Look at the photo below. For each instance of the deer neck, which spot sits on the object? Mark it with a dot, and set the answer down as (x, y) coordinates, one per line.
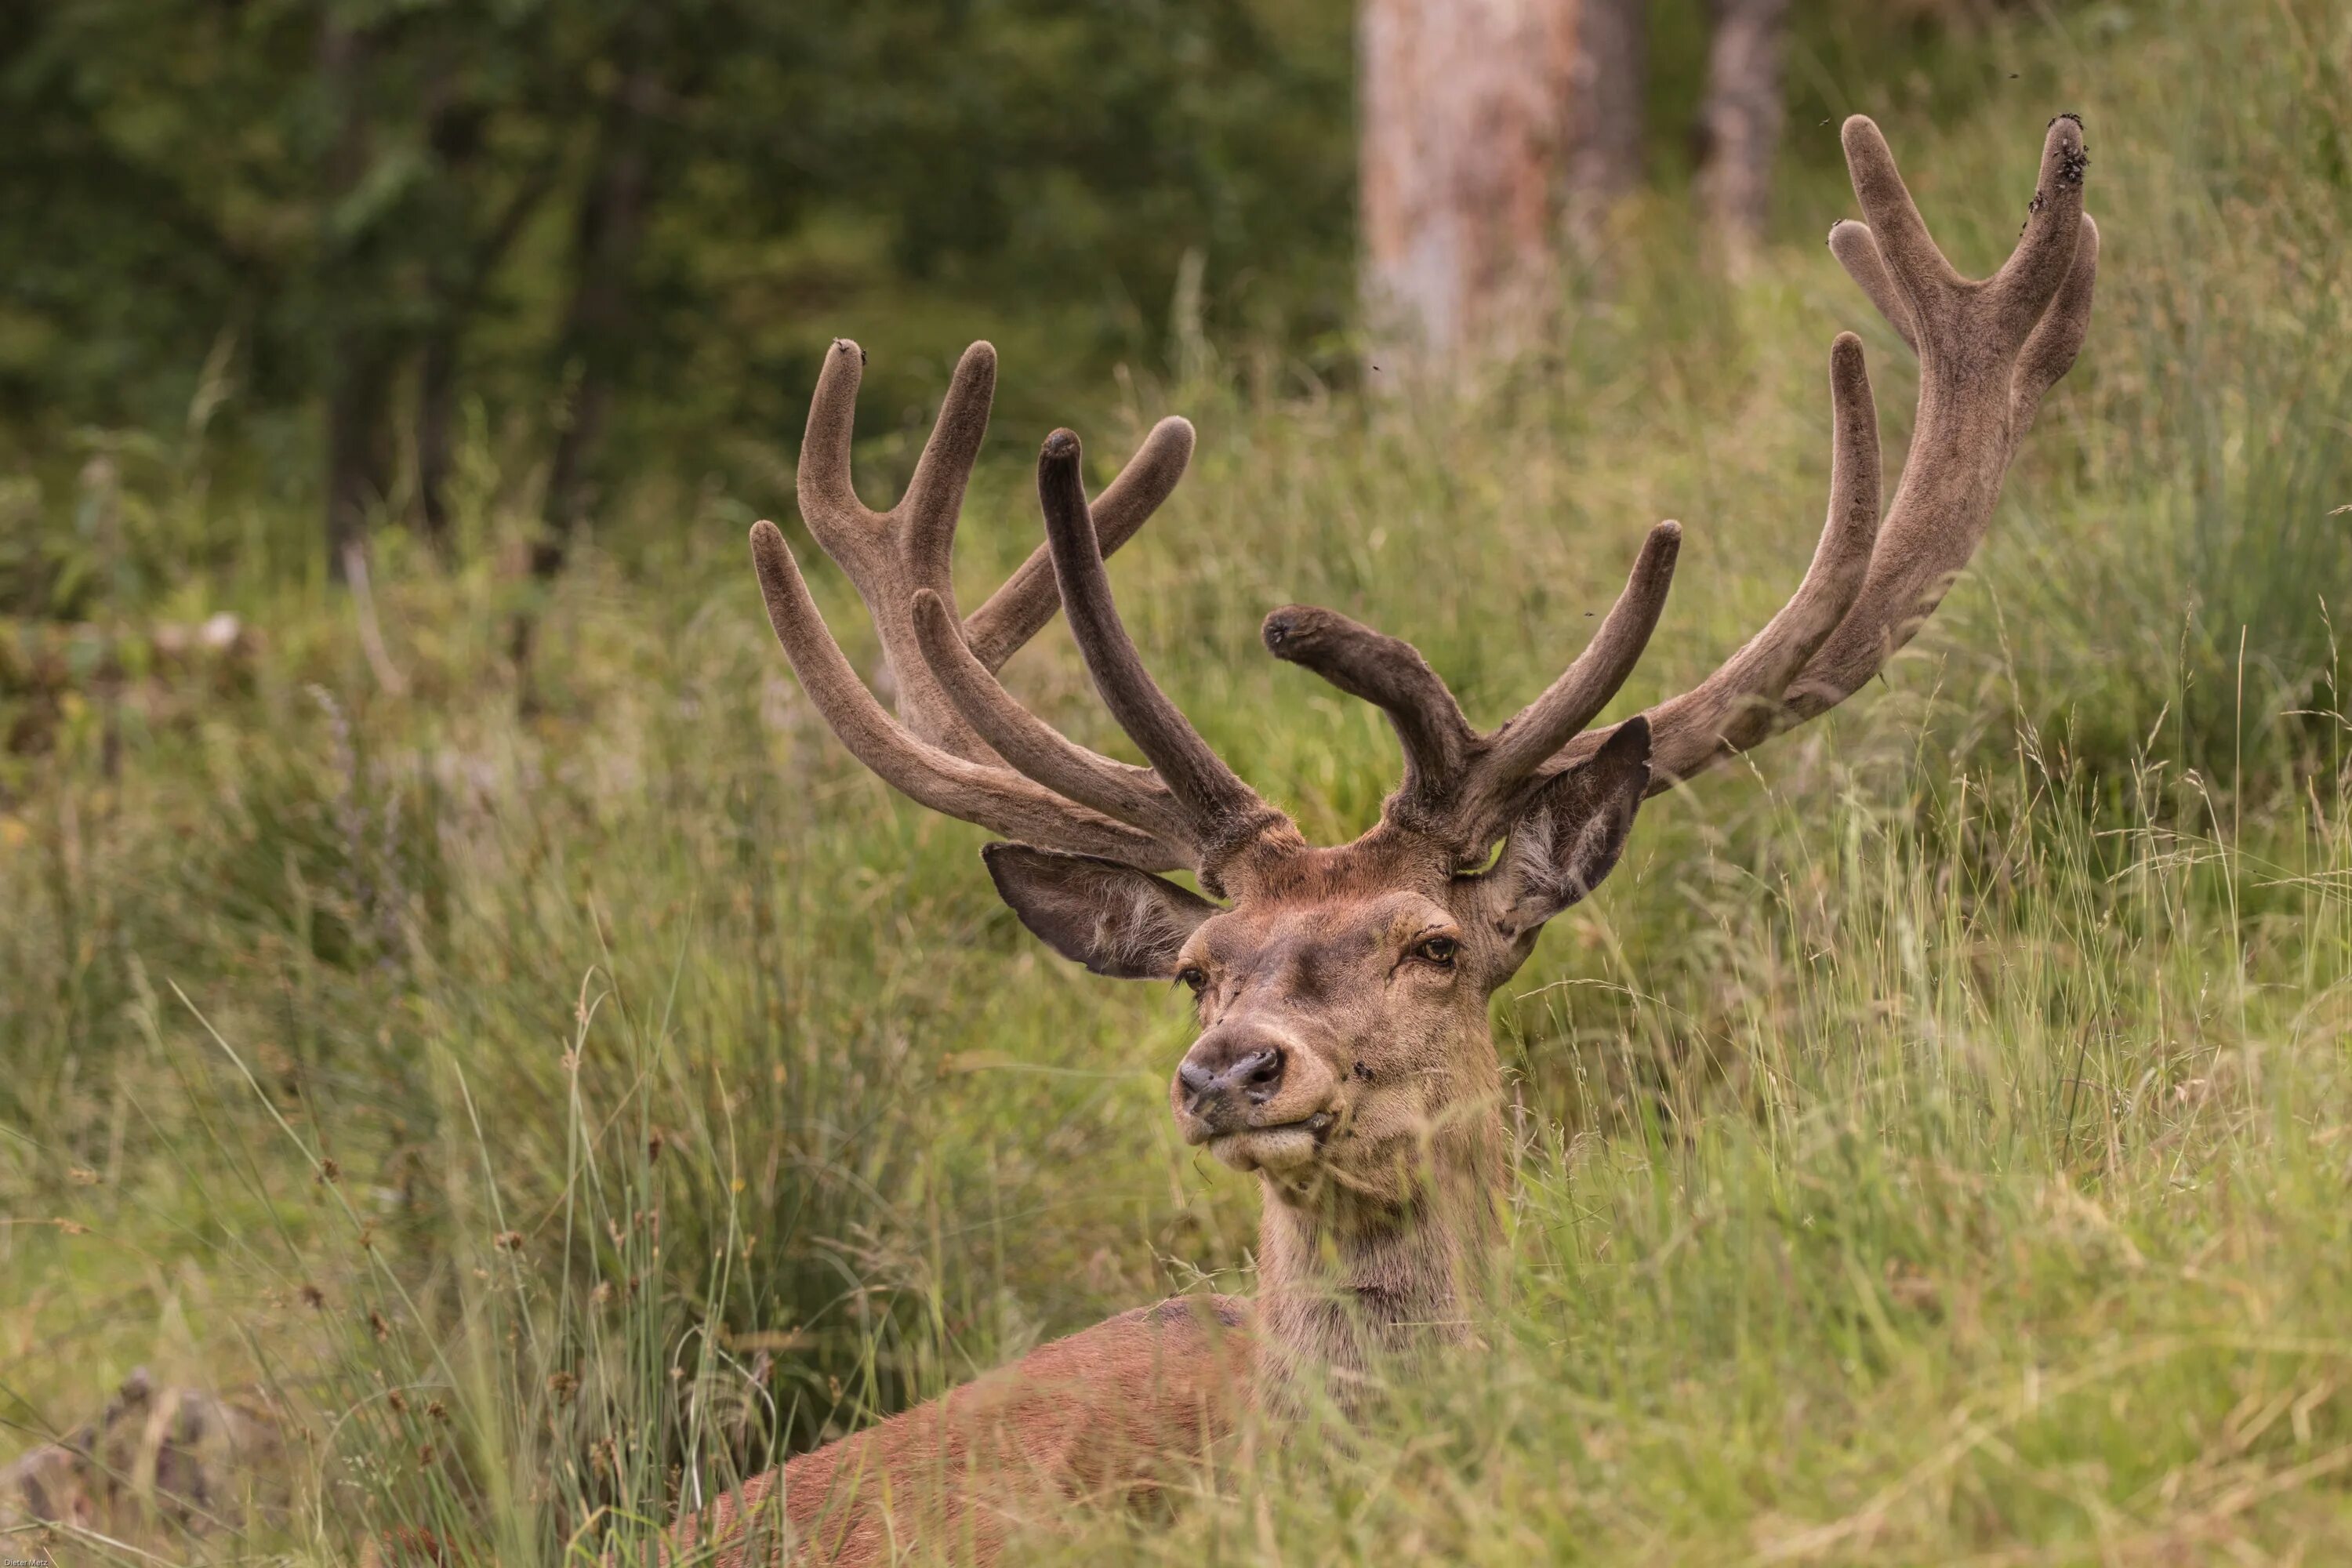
(1346, 1279)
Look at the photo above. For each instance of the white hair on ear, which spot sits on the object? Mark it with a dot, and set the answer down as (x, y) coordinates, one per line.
(1572, 887)
(1560, 849)
(1132, 936)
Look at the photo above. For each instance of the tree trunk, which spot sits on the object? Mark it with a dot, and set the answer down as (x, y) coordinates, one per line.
(461, 276)
(1465, 132)
(361, 364)
(360, 460)
(1612, 62)
(436, 421)
(1739, 125)
(457, 129)
(605, 249)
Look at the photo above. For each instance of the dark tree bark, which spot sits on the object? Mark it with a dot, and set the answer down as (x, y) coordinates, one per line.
(1463, 136)
(604, 251)
(1739, 125)
(454, 129)
(466, 268)
(360, 461)
(361, 361)
(1612, 61)
(436, 421)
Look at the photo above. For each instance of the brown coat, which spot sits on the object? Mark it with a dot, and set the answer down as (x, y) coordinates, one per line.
(1109, 1414)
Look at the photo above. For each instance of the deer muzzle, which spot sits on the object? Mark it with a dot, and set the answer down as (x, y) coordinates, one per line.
(1254, 1097)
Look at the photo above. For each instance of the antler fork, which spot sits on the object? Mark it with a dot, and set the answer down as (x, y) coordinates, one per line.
(1188, 810)
(928, 752)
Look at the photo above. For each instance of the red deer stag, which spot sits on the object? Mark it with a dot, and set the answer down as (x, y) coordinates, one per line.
(1344, 1054)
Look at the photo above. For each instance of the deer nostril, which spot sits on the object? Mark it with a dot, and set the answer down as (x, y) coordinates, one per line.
(1260, 1074)
(1229, 1077)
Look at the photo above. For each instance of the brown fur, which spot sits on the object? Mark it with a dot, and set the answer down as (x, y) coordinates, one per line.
(1109, 1415)
(1376, 1228)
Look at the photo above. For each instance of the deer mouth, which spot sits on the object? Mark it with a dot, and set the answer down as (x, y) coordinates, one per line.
(1285, 1147)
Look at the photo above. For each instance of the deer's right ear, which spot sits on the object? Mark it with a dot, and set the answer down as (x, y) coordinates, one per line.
(1571, 836)
(1115, 920)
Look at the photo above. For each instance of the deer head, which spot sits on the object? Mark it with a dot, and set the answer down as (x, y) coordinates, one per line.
(1344, 1053)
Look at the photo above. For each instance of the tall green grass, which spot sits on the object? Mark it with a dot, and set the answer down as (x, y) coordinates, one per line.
(566, 1089)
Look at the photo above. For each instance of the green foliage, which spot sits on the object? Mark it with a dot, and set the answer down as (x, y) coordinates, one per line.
(633, 227)
(686, 200)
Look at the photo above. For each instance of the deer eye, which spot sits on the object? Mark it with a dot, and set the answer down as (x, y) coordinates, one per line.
(1192, 976)
(1437, 950)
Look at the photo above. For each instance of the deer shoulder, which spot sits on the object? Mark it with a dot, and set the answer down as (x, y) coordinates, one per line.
(1111, 1414)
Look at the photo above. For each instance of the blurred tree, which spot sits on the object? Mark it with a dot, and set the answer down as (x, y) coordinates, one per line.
(633, 222)
(1739, 124)
(1484, 127)
(1465, 128)
(283, 171)
(1607, 102)
(493, 165)
(362, 343)
(623, 230)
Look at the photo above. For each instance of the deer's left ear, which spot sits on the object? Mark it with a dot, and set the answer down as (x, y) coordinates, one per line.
(1571, 835)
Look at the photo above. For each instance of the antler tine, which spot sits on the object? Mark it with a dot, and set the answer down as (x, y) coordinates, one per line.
(2057, 338)
(1988, 350)
(891, 555)
(1460, 787)
(934, 498)
(2044, 259)
(1857, 252)
(1520, 747)
(1922, 278)
(1739, 705)
(888, 555)
(1390, 674)
(829, 504)
(1226, 819)
(1030, 745)
(994, 797)
(1020, 609)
